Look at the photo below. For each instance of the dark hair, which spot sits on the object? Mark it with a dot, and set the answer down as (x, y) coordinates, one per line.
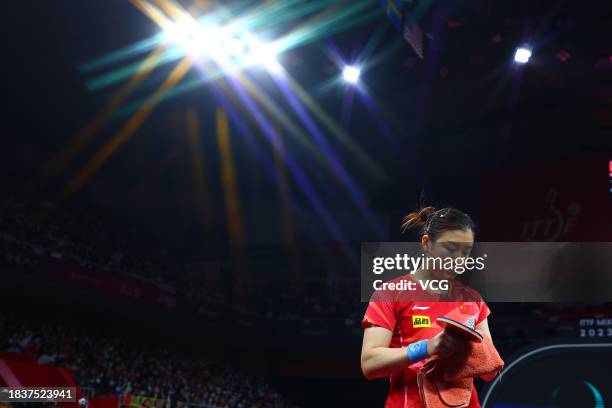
(434, 222)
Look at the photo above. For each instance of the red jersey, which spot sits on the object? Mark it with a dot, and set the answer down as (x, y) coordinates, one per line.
(411, 321)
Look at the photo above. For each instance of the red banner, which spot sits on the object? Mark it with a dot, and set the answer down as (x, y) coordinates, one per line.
(565, 201)
(104, 402)
(29, 374)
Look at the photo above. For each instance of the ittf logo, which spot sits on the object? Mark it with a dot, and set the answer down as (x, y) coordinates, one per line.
(421, 321)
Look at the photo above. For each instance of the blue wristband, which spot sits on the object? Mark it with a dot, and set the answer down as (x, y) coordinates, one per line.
(417, 351)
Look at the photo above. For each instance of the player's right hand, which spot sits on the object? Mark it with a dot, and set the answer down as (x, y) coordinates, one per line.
(445, 343)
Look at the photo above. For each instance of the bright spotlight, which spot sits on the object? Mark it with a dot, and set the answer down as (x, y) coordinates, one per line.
(351, 74)
(234, 46)
(229, 47)
(263, 54)
(522, 55)
(176, 34)
(194, 40)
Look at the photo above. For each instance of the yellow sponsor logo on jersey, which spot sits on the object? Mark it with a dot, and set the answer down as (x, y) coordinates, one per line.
(421, 321)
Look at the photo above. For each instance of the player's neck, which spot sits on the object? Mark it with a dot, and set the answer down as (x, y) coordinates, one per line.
(423, 274)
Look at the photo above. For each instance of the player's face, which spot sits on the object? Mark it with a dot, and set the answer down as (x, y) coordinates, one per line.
(451, 244)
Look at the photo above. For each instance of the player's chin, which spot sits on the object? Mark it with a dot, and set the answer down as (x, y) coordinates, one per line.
(447, 274)
(452, 274)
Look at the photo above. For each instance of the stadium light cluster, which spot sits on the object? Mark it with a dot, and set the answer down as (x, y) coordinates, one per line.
(233, 49)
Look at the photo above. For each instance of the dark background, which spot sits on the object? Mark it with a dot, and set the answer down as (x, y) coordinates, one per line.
(465, 125)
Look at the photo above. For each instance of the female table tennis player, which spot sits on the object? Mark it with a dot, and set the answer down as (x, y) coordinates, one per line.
(398, 334)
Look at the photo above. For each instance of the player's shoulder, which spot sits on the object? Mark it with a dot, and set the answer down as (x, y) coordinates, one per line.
(466, 293)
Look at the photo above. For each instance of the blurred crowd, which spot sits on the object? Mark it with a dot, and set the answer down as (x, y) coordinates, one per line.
(30, 235)
(90, 241)
(317, 302)
(117, 366)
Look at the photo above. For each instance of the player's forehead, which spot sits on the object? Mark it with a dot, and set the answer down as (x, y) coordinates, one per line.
(457, 236)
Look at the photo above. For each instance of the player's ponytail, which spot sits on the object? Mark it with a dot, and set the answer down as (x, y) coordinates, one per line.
(433, 222)
(418, 219)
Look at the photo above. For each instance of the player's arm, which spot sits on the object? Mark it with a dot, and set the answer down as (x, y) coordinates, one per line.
(377, 358)
(380, 360)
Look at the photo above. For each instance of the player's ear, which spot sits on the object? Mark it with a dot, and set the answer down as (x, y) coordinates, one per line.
(426, 243)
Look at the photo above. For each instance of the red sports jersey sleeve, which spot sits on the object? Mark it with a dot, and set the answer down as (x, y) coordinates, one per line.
(483, 309)
(379, 313)
(484, 312)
